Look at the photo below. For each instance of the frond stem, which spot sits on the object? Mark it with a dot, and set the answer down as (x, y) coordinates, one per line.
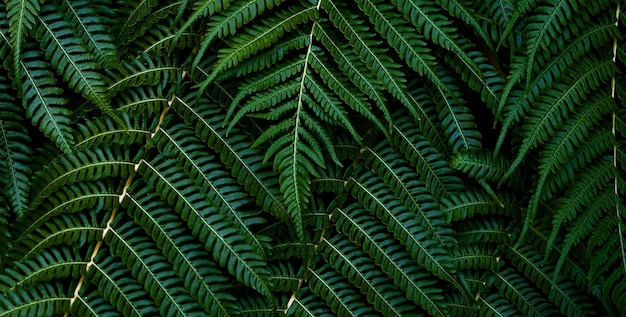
(108, 227)
(613, 119)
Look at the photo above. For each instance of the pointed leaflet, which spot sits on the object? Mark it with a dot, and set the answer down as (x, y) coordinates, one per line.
(92, 30)
(219, 234)
(44, 102)
(70, 60)
(15, 150)
(22, 17)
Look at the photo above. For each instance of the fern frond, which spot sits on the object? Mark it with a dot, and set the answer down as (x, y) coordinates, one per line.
(548, 21)
(387, 72)
(51, 264)
(133, 12)
(105, 130)
(582, 193)
(70, 59)
(200, 276)
(496, 305)
(285, 276)
(88, 23)
(527, 299)
(274, 82)
(419, 151)
(584, 224)
(355, 265)
(44, 101)
(411, 46)
(259, 37)
(337, 292)
(372, 235)
(67, 228)
(46, 299)
(356, 71)
(566, 145)
(266, 59)
(215, 184)
(542, 120)
(146, 69)
(14, 149)
(482, 230)
(466, 205)
(230, 20)
(391, 167)
(150, 267)
(475, 257)
(202, 9)
(254, 305)
(463, 10)
(22, 16)
(92, 304)
(596, 34)
(160, 39)
(236, 152)
(228, 246)
(306, 304)
(377, 199)
(570, 300)
(152, 99)
(87, 164)
(118, 287)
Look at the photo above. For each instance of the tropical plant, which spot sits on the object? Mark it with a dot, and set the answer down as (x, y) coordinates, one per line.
(312, 158)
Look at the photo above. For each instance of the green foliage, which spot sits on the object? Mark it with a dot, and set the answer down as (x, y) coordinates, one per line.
(312, 158)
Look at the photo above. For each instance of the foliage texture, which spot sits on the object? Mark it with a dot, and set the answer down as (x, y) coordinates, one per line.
(312, 158)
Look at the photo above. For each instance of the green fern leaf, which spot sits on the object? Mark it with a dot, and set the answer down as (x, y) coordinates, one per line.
(150, 267)
(376, 58)
(258, 38)
(22, 16)
(215, 184)
(236, 152)
(404, 227)
(71, 60)
(69, 228)
(549, 20)
(201, 277)
(563, 147)
(226, 244)
(462, 9)
(202, 9)
(229, 20)
(420, 152)
(549, 115)
(516, 289)
(355, 265)
(337, 293)
(570, 300)
(45, 299)
(53, 263)
(117, 286)
(104, 130)
(305, 303)
(362, 78)
(366, 231)
(88, 164)
(44, 101)
(133, 12)
(582, 193)
(86, 20)
(403, 181)
(597, 34)
(496, 305)
(14, 149)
